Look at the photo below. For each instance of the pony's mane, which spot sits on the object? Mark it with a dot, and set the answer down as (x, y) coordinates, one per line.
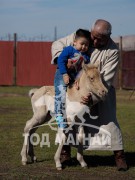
(90, 66)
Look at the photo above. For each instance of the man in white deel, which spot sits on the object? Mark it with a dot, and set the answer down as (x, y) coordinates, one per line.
(104, 51)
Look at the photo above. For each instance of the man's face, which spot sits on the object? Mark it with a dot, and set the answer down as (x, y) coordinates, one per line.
(99, 40)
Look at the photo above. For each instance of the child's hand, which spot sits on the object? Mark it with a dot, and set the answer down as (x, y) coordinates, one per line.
(66, 78)
(70, 64)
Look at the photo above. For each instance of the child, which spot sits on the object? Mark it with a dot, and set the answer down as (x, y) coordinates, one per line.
(75, 54)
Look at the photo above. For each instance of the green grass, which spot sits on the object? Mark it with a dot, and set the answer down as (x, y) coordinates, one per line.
(15, 110)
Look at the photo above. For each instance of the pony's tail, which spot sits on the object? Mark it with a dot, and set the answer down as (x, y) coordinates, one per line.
(32, 91)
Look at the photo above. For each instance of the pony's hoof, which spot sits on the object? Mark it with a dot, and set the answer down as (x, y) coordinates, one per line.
(59, 168)
(24, 163)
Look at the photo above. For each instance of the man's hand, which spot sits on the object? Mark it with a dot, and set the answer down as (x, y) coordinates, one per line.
(86, 99)
(66, 78)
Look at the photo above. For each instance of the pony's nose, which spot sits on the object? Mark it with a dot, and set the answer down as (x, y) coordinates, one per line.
(104, 91)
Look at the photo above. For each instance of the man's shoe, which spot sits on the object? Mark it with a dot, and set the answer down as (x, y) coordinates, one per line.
(120, 160)
(65, 154)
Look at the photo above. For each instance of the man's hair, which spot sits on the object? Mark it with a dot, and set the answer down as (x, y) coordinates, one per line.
(107, 26)
(82, 33)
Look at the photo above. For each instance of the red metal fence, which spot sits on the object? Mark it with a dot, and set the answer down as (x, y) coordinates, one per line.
(6, 63)
(128, 69)
(33, 65)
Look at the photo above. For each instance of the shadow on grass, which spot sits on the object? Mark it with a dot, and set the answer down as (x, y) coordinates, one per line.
(130, 157)
(95, 160)
(38, 161)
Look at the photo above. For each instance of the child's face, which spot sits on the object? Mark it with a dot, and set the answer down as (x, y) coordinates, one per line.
(81, 44)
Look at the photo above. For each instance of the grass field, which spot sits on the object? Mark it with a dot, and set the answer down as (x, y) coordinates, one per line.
(15, 110)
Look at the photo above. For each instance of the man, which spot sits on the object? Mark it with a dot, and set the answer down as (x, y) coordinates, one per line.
(106, 53)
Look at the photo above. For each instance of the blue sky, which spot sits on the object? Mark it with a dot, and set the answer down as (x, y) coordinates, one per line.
(39, 17)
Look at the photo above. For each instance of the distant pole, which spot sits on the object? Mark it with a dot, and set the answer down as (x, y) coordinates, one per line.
(55, 33)
(120, 65)
(15, 45)
(42, 37)
(9, 37)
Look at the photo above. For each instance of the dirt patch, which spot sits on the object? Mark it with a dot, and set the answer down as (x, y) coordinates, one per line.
(42, 171)
(12, 95)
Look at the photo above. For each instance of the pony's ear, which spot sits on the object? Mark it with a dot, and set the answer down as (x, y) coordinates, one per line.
(97, 64)
(77, 84)
(84, 66)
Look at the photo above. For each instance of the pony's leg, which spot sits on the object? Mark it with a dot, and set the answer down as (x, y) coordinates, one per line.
(30, 149)
(80, 148)
(24, 149)
(38, 118)
(70, 124)
(27, 145)
(59, 149)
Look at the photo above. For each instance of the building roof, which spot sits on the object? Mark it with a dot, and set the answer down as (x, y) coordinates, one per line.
(128, 42)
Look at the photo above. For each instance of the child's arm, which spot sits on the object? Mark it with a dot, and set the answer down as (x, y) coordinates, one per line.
(62, 63)
(63, 59)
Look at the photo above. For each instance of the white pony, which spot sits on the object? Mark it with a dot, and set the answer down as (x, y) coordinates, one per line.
(43, 109)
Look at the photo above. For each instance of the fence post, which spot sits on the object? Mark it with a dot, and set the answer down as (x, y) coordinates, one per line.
(120, 64)
(15, 45)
